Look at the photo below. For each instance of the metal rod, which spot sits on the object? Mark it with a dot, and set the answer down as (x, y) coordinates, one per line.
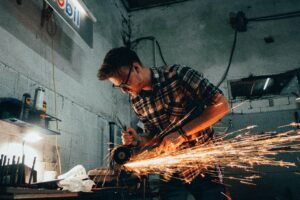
(17, 171)
(111, 140)
(7, 171)
(21, 170)
(3, 170)
(3, 158)
(144, 190)
(32, 170)
(12, 175)
(154, 52)
(1, 161)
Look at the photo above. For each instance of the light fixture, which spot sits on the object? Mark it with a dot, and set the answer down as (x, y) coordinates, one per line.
(32, 136)
(266, 83)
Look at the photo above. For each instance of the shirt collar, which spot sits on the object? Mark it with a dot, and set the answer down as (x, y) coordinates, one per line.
(155, 81)
(155, 78)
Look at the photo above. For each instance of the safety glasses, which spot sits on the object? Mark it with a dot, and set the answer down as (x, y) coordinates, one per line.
(124, 85)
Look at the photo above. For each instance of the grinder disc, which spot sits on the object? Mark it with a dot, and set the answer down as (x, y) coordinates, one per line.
(122, 154)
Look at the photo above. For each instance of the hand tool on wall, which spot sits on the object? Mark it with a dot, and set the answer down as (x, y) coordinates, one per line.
(16, 171)
(21, 172)
(32, 170)
(12, 174)
(7, 168)
(1, 168)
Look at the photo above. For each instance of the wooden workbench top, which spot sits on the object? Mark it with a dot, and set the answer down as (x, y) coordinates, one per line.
(28, 193)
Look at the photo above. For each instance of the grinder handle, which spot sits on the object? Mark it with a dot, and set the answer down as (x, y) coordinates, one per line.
(135, 142)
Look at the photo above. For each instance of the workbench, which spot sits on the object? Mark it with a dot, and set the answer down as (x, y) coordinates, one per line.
(8, 193)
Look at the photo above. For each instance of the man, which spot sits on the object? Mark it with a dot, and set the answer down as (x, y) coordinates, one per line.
(162, 98)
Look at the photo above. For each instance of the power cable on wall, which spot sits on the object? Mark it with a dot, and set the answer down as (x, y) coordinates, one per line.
(55, 104)
(135, 42)
(230, 59)
(239, 27)
(239, 24)
(276, 16)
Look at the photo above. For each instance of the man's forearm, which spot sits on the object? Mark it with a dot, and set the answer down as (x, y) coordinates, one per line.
(209, 116)
(145, 141)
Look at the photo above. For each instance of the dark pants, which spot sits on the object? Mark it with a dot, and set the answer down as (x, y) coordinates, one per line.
(202, 188)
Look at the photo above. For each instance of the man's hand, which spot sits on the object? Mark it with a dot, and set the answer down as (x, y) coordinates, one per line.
(171, 142)
(130, 136)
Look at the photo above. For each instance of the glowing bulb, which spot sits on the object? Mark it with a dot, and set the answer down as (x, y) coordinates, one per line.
(32, 137)
(266, 84)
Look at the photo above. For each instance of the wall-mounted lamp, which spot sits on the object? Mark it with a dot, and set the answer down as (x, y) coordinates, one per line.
(32, 136)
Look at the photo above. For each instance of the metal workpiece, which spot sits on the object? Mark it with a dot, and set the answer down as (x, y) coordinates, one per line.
(7, 170)
(12, 176)
(21, 171)
(17, 171)
(14, 172)
(1, 168)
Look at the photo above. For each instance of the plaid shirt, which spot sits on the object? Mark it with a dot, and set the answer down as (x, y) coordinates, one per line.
(176, 92)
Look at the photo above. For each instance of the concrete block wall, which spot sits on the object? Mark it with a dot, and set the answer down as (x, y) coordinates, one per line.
(265, 105)
(66, 67)
(198, 34)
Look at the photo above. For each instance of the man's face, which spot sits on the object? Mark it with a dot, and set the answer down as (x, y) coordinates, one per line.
(129, 80)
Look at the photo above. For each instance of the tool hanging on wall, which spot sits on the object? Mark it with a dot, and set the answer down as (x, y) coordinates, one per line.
(13, 173)
(39, 98)
(26, 105)
(48, 17)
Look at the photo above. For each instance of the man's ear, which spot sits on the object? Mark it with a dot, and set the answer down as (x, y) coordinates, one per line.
(137, 67)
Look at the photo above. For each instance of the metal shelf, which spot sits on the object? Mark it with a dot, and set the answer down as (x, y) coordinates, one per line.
(24, 124)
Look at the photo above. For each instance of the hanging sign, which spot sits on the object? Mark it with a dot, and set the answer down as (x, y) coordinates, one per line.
(73, 13)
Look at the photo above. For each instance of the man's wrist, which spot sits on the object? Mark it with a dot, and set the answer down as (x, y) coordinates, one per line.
(138, 141)
(182, 133)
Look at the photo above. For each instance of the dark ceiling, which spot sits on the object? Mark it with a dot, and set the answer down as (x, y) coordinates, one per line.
(132, 5)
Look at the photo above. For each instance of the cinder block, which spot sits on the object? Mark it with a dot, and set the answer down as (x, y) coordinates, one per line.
(49, 153)
(50, 166)
(65, 154)
(260, 103)
(5, 91)
(253, 110)
(288, 107)
(239, 107)
(23, 87)
(8, 78)
(270, 109)
(65, 140)
(78, 157)
(281, 101)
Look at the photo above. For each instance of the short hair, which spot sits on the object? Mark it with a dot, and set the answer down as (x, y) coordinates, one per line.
(114, 60)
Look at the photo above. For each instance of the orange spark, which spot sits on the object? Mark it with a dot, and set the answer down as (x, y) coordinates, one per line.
(243, 151)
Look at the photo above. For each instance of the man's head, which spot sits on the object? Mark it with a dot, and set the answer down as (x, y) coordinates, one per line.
(124, 69)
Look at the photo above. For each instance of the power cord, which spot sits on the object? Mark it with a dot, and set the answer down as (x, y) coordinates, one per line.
(276, 16)
(135, 42)
(230, 59)
(55, 106)
(239, 24)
